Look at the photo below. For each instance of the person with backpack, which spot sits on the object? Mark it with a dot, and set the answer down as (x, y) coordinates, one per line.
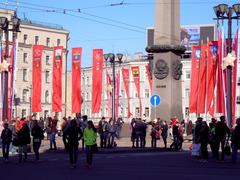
(90, 137)
(73, 135)
(38, 135)
(6, 137)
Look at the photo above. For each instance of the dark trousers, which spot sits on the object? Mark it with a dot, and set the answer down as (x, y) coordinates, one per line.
(89, 154)
(214, 148)
(5, 151)
(175, 143)
(204, 150)
(36, 147)
(164, 140)
(180, 141)
(222, 143)
(111, 137)
(65, 143)
(103, 141)
(234, 153)
(154, 142)
(73, 154)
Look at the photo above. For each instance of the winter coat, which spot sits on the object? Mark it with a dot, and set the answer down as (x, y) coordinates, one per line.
(235, 139)
(23, 135)
(6, 136)
(89, 136)
(73, 135)
(37, 133)
(222, 131)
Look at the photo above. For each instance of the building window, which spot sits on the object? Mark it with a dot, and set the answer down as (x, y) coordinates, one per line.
(187, 93)
(187, 111)
(136, 94)
(24, 113)
(48, 42)
(25, 56)
(87, 96)
(188, 75)
(46, 114)
(48, 60)
(47, 77)
(47, 97)
(123, 93)
(25, 36)
(36, 40)
(137, 111)
(147, 111)
(87, 80)
(238, 99)
(24, 95)
(58, 42)
(146, 93)
(25, 75)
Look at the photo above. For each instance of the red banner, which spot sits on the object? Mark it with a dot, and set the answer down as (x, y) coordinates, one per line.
(149, 77)
(211, 75)
(117, 91)
(202, 80)
(125, 75)
(37, 78)
(196, 55)
(57, 79)
(76, 80)
(97, 79)
(136, 78)
(234, 78)
(220, 97)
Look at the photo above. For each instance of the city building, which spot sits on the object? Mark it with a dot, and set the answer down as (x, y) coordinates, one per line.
(35, 33)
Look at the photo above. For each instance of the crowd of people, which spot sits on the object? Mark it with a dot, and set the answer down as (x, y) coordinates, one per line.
(21, 133)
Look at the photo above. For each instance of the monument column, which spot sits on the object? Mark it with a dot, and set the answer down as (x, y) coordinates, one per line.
(167, 66)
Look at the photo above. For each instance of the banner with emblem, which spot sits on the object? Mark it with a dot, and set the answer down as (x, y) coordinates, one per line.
(76, 80)
(196, 55)
(136, 78)
(97, 70)
(211, 75)
(125, 75)
(37, 78)
(149, 77)
(57, 79)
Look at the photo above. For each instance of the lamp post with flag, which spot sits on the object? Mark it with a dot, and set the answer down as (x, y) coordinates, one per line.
(225, 12)
(113, 60)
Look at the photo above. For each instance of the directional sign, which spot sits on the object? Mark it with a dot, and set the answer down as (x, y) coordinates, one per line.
(155, 100)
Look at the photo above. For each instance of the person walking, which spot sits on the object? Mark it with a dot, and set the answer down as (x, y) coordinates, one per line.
(53, 131)
(153, 134)
(90, 137)
(235, 139)
(212, 137)
(133, 134)
(38, 135)
(181, 131)
(64, 127)
(204, 132)
(23, 137)
(6, 137)
(73, 135)
(222, 134)
(164, 134)
(83, 125)
(100, 132)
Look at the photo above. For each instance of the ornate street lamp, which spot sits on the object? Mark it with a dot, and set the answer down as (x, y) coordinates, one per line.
(113, 60)
(225, 12)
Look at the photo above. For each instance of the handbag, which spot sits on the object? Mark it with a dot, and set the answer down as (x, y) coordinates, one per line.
(227, 149)
(196, 149)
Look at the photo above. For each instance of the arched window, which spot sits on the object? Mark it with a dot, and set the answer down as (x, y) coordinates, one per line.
(47, 96)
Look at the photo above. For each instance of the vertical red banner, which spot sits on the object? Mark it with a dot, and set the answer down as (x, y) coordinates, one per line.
(97, 79)
(57, 79)
(109, 93)
(211, 75)
(149, 77)
(202, 80)
(136, 78)
(76, 80)
(196, 55)
(37, 78)
(117, 80)
(125, 75)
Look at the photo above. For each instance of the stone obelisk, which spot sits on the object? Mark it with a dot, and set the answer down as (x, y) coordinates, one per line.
(167, 67)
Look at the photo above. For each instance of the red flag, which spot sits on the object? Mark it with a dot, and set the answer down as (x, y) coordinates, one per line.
(37, 78)
(136, 78)
(117, 89)
(57, 79)
(125, 75)
(109, 93)
(234, 78)
(196, 55)
(220, 97)
(211, 74)
(149, 77)
(76, 80)
(97, 79)
(202, 80)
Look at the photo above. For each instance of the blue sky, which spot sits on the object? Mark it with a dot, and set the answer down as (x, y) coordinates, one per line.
(85, 32)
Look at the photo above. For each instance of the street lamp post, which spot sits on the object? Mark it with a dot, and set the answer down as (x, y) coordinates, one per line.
(113, 60)
(225, 12)
(4, 25)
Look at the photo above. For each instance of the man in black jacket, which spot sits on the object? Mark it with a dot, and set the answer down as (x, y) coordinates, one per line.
(235, 139)
(222, 134)
(73, 135)
(6, 137)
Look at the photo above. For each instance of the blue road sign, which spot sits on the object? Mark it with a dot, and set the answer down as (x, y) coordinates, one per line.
(155, 100)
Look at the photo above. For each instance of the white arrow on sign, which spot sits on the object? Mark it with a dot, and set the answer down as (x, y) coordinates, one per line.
(155, 100)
